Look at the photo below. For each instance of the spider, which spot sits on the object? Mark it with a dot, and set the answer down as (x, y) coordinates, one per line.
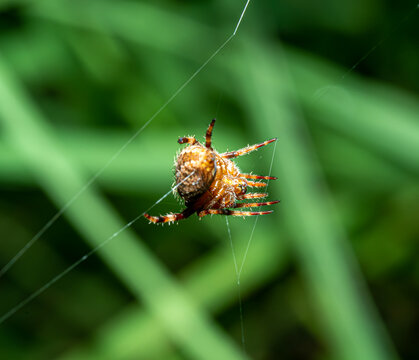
(210, 183)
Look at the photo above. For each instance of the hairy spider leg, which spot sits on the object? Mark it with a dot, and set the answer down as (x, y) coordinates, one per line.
(187, 140)
(252, 196)
(241, 205)
(169, 217)
(246, 150)
(255, 184)
(232, 212)
(208, 135)
(256, 177)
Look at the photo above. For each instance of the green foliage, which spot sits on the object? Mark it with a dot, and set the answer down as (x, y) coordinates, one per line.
(329, 275)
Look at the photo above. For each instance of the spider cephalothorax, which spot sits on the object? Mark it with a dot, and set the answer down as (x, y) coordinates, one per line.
(210, 183)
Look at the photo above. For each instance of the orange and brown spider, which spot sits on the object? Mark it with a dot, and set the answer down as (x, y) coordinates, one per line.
(210, 183)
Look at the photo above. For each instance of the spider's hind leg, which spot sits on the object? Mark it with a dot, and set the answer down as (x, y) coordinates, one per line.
(232, 212)
(252, 196)
(256, 184)
(241, 205)
(169, 217)
(257, 177)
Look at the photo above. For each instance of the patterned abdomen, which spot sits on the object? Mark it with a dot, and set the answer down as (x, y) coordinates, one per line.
(200, 161)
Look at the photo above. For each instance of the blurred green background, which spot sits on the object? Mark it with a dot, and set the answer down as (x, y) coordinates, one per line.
(332, 274)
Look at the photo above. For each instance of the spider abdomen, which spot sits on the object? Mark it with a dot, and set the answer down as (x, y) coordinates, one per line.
(200, 162)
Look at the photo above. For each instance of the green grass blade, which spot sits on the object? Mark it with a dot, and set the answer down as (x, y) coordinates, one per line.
(382, 118)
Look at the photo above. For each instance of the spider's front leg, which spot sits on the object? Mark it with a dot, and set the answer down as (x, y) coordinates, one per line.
(169, 217)
(246, 150)
(208, 135)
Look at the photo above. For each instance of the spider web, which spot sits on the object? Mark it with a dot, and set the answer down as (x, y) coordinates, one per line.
(63, 209)
(67, 205)
(237, 265)
(121, 149)
(85, 257)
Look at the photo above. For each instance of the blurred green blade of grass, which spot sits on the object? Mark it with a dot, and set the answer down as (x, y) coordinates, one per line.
(122, 19)
(133, 333)
(361, 168)
(352, 326)
(7, 3)
(382, 118)
(95, 219)
(49, 56)
(66, 309)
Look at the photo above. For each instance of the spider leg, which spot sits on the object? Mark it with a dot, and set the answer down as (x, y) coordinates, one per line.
(252, 196)
(233, 154)
(187, 140)
(209, 134)
(255, 184)
(169, 217)
(255, 177)
(232, 212)
(241, 205)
